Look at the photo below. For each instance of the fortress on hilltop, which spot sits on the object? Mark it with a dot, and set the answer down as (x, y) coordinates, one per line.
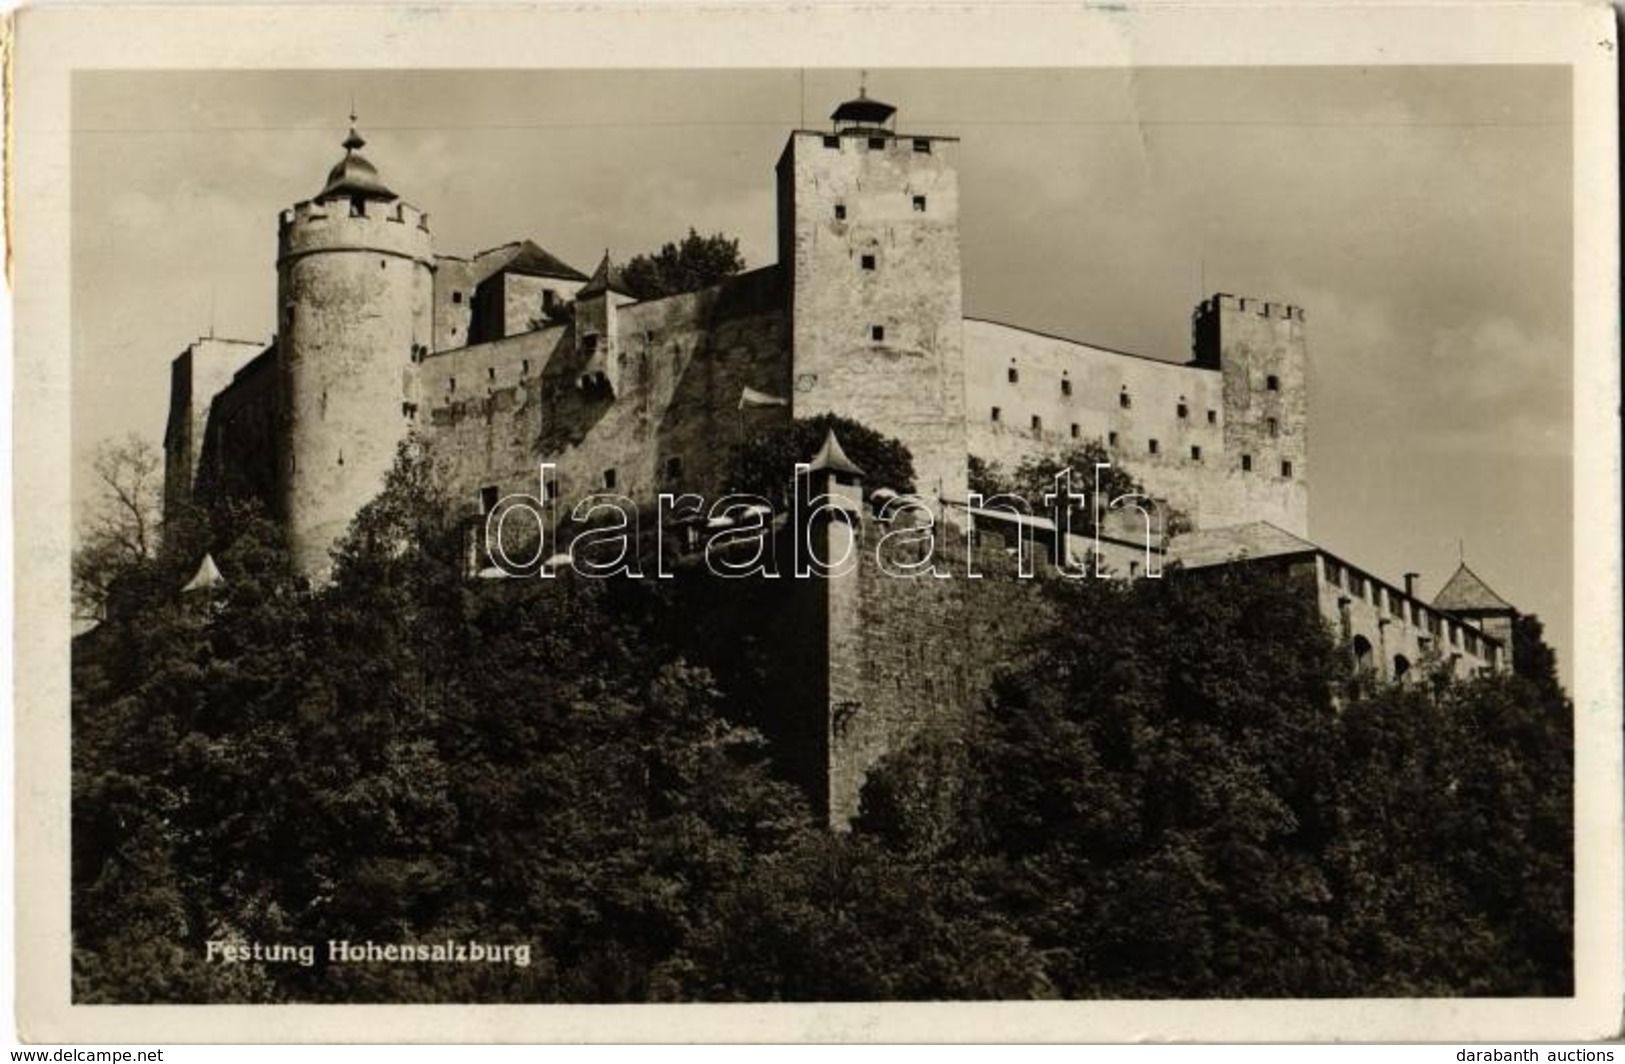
(511, 357)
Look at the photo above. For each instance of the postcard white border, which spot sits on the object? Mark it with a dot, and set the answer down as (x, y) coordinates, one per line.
(53, 42)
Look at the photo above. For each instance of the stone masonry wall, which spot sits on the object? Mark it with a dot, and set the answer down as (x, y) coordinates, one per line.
(908, 657)
(495, 411)
(870, 241)
(1168, 424)
(354, 294)
(197, 375)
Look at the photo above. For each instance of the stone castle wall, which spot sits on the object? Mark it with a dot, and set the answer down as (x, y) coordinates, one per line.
(196, 376)
(671, 421)
(1197, 434)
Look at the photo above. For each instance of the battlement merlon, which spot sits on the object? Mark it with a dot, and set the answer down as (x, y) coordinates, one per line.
(395, 228)
(1264, 308)
(1208, 333)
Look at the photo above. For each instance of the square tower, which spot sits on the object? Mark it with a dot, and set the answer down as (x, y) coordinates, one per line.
(869, 248)
(1259, 348)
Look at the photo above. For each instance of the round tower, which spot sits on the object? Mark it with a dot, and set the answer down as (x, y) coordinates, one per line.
(354, 296)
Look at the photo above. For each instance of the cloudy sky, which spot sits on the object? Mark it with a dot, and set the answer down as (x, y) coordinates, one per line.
(1422, 216)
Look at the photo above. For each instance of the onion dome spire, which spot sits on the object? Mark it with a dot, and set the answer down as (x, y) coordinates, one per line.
(354, 176)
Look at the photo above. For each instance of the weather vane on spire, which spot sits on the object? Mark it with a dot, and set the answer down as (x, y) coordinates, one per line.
(863, 84)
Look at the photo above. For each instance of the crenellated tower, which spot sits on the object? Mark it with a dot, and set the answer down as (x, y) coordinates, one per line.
(869, 248)
(354, 296)
(1258, 347)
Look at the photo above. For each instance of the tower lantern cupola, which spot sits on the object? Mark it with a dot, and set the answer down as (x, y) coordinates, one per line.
(863, 115)
(353, 176)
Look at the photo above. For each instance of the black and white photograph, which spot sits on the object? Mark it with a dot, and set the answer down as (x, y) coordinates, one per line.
(855, 532)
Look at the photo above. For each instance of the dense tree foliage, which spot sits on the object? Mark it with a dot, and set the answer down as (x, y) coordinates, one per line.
(765, 464)
(1177, 793)
(688, 265)
(1034, 477)
(1172, 793)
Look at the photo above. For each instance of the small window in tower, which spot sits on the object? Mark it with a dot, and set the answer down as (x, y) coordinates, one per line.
(922, 145)
(832, 142)
(1273, 426)
(524, 367)
(1286, 469)
(877, 143)
(674, 467)
(609, 480)
(1111, 439)
(409, 411)
(840, 212)
(1156, 448)
(868, 262)
(877, 333)
(1182, 410)
(589, 344)
(997, 414)
(451, 384)
(1013, 375)
(1123, 400)
(490, 373)
(919, 204)
(1038, 424)
(1196, 453)
(1246, 463)
(488, 498)
(358, 207)
(383, 264)
(1066, 386)
(1212, 417)
(1272, 383)
(457, 297)
(1077, 430)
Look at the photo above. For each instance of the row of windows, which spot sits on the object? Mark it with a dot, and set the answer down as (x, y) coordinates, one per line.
(1364, 588)
(1013, 375)
(1153, 446)
(1271, 424)
(921, 145)
(1182, 409)
(919, 204)
(491, 375)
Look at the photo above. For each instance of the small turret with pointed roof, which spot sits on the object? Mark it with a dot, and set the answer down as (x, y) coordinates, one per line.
(606, 278)
(831, 458)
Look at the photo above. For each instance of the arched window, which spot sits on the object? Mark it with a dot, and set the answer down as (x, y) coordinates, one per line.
(1402, 665)
(1363, 659)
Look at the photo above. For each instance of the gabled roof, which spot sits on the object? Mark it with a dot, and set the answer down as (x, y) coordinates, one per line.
(1466, 592)
(535, 261)
(1220, 546)
(606, 278)
(831, 457)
